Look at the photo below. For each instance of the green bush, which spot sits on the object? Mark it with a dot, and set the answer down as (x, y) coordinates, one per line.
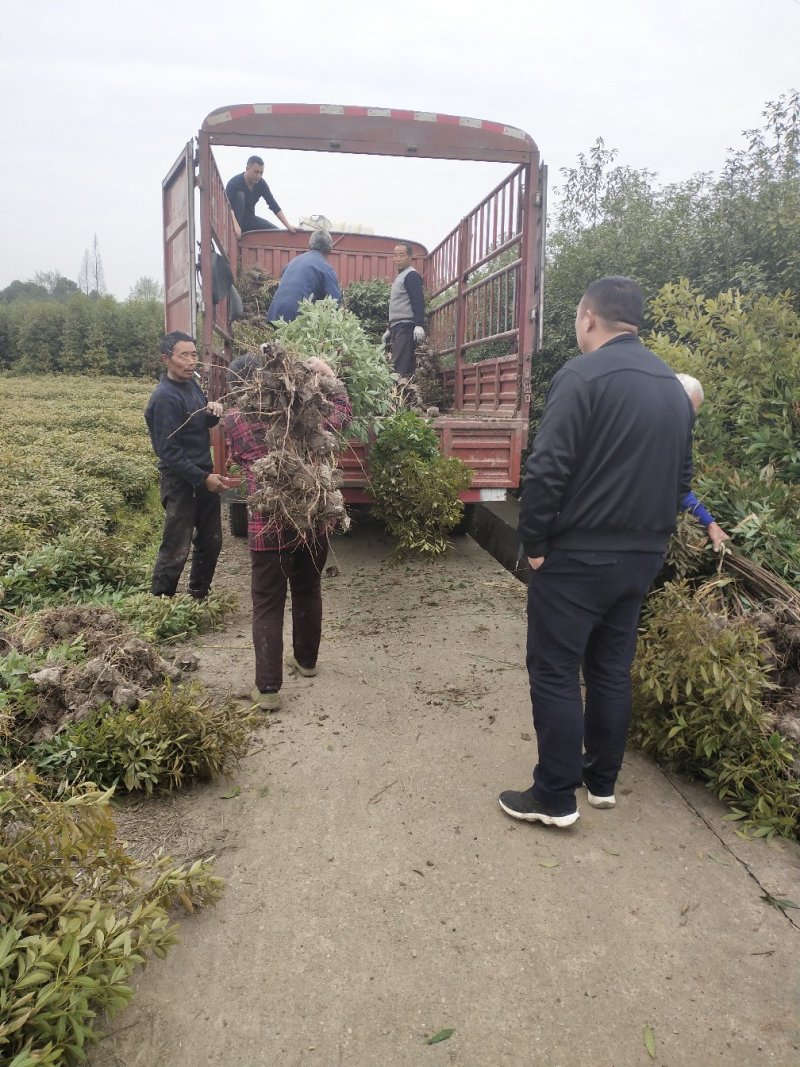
(78, 915)
(73, 564)
(369, 302)
(414, 487)
(699, 682)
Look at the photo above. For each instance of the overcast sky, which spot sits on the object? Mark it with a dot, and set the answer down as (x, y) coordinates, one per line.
(98, 99)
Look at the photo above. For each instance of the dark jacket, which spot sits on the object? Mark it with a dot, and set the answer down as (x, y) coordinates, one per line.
(612, 460)
(178, 428)
(251, 197)
(306, 275)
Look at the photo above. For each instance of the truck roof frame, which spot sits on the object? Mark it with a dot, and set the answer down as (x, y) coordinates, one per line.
(367, 131)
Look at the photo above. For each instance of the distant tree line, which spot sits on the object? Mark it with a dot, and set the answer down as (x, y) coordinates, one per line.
(49, 326)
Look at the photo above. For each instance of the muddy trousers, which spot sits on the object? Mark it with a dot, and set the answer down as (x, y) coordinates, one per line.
(301, 569)
(583, 610)
(192, 521)
(248, 222)
(404, 348)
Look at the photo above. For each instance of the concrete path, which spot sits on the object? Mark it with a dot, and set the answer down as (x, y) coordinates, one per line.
(377, 894)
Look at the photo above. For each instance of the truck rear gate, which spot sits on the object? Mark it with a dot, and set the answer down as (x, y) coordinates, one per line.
(484, 279)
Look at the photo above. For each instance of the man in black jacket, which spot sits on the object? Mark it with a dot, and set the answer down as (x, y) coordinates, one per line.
(244, 191)
(178, 418)
(609, 467)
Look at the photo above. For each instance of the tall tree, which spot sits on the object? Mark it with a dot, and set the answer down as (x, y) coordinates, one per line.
(91, 279)
(146, 288)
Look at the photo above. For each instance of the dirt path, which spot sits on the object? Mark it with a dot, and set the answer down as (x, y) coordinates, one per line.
(376, 893)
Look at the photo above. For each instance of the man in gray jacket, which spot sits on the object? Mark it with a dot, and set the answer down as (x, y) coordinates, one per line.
(610, 465)
(406, 313)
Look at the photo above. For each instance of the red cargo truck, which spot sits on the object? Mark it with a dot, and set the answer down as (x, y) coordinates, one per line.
(484, 278)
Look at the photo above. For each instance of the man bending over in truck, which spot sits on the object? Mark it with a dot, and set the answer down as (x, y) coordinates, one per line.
(307, 275)
(406, 313)
(178, 418)
(244, 191)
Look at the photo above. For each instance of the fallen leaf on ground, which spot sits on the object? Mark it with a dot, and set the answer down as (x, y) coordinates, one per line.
(231, 793)
(649, 1041)
(778, 902)
(442, 1035)
(545, 863)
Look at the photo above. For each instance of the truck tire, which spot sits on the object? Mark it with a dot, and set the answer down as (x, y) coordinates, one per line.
(464, 525)
(237, 518)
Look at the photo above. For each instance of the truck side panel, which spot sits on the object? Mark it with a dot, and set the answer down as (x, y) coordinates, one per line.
(177, 197)
(356, 257)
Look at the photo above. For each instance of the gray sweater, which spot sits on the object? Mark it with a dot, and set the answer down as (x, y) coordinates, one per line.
(406, 300)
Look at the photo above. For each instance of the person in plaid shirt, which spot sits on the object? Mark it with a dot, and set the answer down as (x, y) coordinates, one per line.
(280, 557)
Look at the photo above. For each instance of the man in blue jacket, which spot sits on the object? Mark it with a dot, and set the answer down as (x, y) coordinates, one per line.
(178, 418)
(610, 465)
(307, 275)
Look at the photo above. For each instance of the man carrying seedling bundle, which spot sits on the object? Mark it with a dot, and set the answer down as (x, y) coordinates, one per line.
(179, 417)
(280, 433)
(610, 465)
(307, 275)
(406, 313)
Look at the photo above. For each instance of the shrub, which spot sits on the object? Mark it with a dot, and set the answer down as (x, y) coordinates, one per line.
(78, 915)
(369, 302)
(414, 487)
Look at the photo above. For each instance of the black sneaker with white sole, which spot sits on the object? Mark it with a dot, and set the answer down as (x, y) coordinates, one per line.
(521, 805)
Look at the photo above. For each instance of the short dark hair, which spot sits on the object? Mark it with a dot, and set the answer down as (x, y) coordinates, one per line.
(255, 159)
(616, 299)
(405, 245)
(167, 343)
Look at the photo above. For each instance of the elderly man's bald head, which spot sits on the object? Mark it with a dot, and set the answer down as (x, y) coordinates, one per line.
(694, 389)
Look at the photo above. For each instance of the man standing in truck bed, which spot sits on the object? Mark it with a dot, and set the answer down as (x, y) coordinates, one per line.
(245, 190)
(406, 313)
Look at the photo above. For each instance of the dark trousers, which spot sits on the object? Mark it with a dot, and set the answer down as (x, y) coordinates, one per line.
(583, 609)
(192, 520)
(301, 568)
(249, 222)
(404, 348)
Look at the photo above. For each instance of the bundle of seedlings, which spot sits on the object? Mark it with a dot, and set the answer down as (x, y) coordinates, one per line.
(256, 288)
(296, 483)
(335, 335)
(415, 488)
(433, 390)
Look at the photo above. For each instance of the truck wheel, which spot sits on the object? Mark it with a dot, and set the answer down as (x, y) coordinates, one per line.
(237, 518)
(465, 523)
